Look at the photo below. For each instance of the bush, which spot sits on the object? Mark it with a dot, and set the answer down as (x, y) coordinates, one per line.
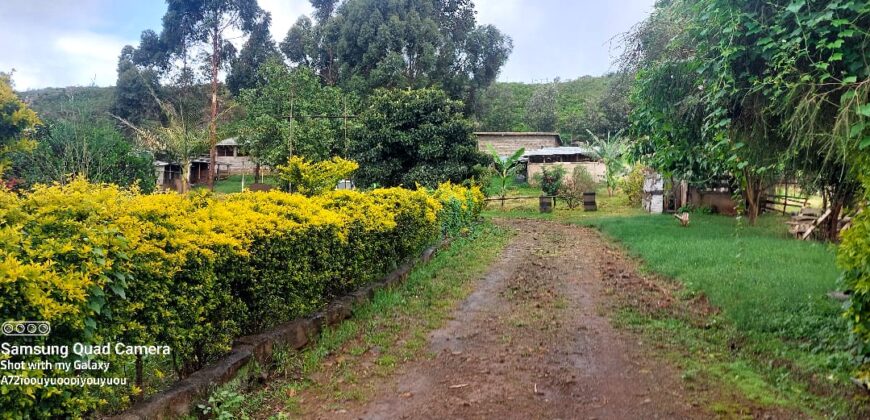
(315, 178)
(550, 179)
(106, 265)
(572, 188)
(853, 256)
(632, 185)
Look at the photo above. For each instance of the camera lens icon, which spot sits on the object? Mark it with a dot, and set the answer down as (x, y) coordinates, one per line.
(26, 328)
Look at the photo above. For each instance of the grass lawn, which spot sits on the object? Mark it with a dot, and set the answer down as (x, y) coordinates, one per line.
(762, 279)
(233, 183)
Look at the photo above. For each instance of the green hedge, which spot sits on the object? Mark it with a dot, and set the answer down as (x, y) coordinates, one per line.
(192, 272)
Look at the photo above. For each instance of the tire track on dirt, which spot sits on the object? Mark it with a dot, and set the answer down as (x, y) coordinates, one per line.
(531, 342)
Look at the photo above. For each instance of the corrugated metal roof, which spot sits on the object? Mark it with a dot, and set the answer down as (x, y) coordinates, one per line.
(517, 134)
(514, 133)
(232, 141)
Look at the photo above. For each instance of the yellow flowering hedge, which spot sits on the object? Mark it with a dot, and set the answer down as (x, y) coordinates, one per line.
(106, 265)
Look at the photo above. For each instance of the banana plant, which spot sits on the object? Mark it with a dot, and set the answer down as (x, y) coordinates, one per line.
(612, 152)
(505, 168)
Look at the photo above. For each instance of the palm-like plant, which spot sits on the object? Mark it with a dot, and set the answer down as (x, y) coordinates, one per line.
(612, 152)
(178, 139)
(505, 168)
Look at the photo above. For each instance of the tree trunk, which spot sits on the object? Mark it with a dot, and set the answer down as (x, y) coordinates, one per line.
(212, 127)
(256, 172)
(139, 378)
(752, 193)
(832, 224)
(185, 177)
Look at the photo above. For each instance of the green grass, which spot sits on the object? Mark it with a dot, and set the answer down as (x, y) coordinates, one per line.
(391, 328)
(512, 187)
(779, 339)
(762, 279)
(233, 183)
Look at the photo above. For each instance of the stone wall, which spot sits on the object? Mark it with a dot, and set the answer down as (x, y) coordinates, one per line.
(238, 164)
(596, 169)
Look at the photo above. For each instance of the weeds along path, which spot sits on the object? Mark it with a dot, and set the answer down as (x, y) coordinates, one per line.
(531, 342)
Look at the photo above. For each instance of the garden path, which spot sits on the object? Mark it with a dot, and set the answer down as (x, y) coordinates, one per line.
(533, 341)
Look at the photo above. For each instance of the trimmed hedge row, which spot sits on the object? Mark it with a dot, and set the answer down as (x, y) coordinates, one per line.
(106, 265)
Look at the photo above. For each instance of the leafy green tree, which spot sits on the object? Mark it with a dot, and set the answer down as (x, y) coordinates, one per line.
(756, 90)
(272, 137)
(18, 124)
(601, 114)
(367, 44)
(408, 137)
(499, 109)
(133, 99)
(541, 110)
(189, 24)
(258, 49)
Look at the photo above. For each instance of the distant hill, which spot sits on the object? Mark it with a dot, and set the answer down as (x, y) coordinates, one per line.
(502, 106)
(62, 103)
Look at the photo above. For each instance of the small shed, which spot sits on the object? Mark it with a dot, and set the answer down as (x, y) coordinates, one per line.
(168, 174)
(567, 157)
(231, 158)
(508, 142)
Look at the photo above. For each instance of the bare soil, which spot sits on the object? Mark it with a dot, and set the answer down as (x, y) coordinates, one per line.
(533, 341)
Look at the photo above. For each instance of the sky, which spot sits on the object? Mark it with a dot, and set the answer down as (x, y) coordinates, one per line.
(52, 43)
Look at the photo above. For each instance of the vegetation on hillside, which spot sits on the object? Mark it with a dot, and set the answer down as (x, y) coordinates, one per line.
(569, 107)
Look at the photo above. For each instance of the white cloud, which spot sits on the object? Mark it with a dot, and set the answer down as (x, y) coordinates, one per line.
(64, 59)
(92, 57)
(284, 14)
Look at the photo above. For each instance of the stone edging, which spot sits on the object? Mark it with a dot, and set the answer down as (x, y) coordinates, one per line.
(178, 400)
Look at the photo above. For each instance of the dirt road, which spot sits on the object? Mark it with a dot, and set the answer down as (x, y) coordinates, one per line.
(532, 342)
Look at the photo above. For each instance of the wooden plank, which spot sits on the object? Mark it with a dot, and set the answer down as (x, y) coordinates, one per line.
(815, 225)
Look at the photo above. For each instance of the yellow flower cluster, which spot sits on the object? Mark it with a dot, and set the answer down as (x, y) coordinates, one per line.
(195, 271)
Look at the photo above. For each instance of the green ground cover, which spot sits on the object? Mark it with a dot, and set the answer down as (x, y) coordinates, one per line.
(233, 183)
(779, 338)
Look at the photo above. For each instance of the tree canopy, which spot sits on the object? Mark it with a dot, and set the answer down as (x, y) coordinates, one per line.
(257, 50)
(755, 90)
(408, 137)
(269, 134)
(362, 45)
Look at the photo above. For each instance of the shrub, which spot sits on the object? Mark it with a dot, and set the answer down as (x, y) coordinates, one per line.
(550, 179)
(853, 256)
(572, 188)
(194, 271)
(410, 137)
(309, 178)
(632, 185)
